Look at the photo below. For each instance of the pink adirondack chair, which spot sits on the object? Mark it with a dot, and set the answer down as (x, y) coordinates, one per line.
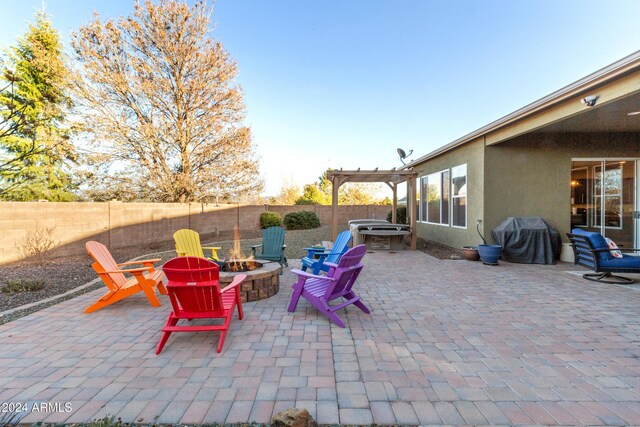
(195, 293)
(338, 283)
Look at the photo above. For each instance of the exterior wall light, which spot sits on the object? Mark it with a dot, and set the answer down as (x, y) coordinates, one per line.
(590, 100)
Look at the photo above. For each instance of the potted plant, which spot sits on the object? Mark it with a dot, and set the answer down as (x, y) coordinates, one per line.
(490, 254)
(470, 253)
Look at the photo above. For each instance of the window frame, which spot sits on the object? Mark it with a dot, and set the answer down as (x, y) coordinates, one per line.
(439, 173)
(466, 197)
(600, 198)
(420, 198)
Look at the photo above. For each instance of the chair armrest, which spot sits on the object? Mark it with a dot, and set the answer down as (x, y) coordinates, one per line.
(234, 283)
(130, 271)
(311, 276)
(619, 249)
(214, 251)
(254, 250)
(315, 251)
(142, 261)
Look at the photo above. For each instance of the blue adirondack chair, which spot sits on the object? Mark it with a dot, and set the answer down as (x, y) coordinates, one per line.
(338, 283)
(317, 257)
(272, 247)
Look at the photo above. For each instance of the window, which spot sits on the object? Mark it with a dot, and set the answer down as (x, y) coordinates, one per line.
(423, 199)
(459, 196)
(443, 197)
(608, 189)
(434, 182)
(418, 199)
(444, 209)
(435, 198)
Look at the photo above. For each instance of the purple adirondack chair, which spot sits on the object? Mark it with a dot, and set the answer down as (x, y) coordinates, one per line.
(321, 290)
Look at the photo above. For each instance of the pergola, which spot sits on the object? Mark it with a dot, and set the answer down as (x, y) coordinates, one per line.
(390, 177)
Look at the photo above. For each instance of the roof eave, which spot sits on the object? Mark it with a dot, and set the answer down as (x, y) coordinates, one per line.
(597, 78)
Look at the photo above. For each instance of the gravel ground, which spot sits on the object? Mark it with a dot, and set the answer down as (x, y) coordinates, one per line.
(439, 251)
(69, 273)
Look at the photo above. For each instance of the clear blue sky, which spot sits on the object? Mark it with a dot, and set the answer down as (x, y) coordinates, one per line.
(344, 83)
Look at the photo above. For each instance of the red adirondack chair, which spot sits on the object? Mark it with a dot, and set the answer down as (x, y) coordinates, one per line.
(195, 293)
(144, 279)
(338, 283)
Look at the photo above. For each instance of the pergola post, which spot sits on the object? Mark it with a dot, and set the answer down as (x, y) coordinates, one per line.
(411, 210)
(335, 186)
(394, 204)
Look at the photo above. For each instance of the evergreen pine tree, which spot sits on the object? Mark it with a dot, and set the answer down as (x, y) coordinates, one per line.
(34, 138)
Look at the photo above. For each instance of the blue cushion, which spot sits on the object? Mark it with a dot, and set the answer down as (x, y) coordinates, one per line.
(597, 242)
(627, 261)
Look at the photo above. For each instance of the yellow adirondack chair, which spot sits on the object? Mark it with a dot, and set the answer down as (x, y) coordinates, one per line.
(188, 244)
(145, 278)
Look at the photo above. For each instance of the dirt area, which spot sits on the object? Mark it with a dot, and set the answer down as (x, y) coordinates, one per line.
(437, 250)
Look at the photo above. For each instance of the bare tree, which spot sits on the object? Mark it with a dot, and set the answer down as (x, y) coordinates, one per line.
(159, 96)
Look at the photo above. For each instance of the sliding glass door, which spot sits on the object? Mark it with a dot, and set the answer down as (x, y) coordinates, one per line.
(604, 198)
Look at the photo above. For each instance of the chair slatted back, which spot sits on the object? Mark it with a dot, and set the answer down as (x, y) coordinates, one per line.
(193, 285)
(582, 250)
(346, 272)
(188, 243)
(340, 246)
(104, 262)
(272, 241)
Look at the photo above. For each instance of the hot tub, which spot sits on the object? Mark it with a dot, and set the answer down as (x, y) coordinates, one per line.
(379, 234)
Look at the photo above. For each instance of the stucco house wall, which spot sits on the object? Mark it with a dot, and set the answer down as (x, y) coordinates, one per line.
(473, 155)
(530, 175)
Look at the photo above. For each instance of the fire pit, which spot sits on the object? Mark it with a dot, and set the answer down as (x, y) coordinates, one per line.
(241, 266)
(263, 277)
(261, 283)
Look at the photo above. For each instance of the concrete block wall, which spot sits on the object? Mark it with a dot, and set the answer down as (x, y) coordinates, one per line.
(118, 224)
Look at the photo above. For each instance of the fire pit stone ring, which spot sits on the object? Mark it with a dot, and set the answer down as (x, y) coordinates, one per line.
(261, 283)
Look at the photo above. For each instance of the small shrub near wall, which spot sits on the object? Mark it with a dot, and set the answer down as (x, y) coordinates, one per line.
(302, 220)
(401, 215)
(270, 219)
(38, 244)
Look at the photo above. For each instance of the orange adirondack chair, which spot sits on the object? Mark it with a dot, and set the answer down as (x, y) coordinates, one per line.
(195, 293)
(145, 278)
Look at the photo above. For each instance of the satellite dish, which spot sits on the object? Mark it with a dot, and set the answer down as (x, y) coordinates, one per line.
(403, 155)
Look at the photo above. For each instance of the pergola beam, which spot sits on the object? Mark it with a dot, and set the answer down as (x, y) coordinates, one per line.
(390, 177)
(393, 176)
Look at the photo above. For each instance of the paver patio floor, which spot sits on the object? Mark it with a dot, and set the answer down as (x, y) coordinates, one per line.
(447, 342)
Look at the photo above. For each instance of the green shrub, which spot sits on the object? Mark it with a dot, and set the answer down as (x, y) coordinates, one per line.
(17, 286)
(270, 219)
(301, 220)
(107, 421)
(302, 201)
(401, 215)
